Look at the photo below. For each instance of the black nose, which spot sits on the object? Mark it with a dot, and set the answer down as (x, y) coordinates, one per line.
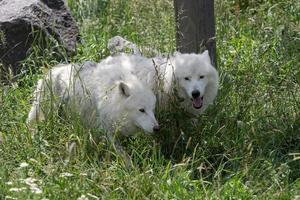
(156, 128)
(196, 93)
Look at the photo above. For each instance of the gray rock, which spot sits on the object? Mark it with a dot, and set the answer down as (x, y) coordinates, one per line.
(20, 19)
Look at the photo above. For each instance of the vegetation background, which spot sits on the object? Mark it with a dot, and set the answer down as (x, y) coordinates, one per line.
(246, 146)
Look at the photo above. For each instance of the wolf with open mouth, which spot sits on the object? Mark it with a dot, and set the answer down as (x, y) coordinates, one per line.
(192, 76)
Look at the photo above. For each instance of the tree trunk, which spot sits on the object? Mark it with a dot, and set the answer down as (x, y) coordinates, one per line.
(195, 27)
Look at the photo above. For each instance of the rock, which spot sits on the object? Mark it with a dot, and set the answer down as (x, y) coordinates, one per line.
(20, 19)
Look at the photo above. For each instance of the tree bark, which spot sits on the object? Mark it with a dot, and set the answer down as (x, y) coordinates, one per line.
(195, 27)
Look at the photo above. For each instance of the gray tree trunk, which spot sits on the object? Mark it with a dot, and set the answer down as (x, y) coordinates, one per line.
(195, 27)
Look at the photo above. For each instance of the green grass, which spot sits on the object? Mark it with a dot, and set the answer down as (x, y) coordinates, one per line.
(246, 146)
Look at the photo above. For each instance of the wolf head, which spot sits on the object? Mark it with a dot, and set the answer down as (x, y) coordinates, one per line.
(196, 79)
(138, 106)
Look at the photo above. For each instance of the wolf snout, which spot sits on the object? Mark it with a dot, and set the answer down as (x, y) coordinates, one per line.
(195, 93)
(156, 128)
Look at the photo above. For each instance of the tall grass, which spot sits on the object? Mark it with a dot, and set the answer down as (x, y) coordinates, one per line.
(245, 146)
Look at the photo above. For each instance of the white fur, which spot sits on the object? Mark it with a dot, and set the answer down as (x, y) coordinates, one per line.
(105, 96)
(169, 73)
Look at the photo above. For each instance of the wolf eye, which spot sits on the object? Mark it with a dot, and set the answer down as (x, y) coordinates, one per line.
(186, 78)
(201, 77)
(142, 110)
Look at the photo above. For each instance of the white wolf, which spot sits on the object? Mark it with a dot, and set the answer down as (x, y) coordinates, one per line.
(105, 96)
(190, 76)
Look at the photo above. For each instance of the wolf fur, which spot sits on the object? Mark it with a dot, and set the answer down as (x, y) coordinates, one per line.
(189, 78)
(106, 97)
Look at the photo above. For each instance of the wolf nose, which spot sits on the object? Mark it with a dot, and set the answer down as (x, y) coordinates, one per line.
(195, 94)
(156, 128)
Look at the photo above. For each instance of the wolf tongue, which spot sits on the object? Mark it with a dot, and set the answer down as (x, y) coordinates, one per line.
(197, 102)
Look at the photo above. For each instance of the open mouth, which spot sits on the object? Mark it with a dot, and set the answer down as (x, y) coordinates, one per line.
(197, 102)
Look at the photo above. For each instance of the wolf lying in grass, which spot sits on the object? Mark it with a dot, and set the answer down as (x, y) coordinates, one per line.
(189, 78)
(105, 96)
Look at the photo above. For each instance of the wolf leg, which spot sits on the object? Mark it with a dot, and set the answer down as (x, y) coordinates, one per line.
(119, 149)
(35, 113)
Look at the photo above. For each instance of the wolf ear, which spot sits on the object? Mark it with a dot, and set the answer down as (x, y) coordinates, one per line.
(124, 89)
(206, 56)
